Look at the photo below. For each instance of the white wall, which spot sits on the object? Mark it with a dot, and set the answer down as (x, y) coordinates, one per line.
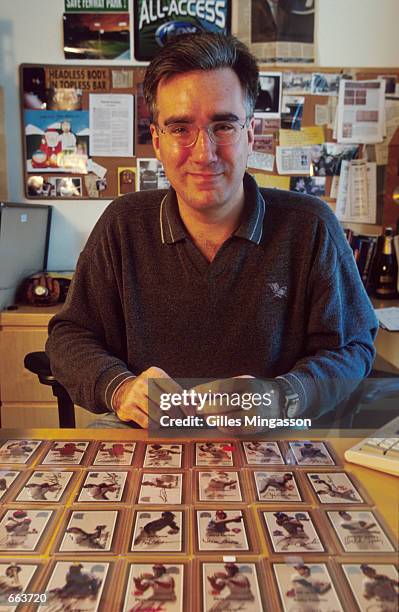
(349, 33)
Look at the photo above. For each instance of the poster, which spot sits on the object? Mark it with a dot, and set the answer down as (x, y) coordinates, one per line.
(277, 30)
(97, 36)
(56, 141)
(155, 21)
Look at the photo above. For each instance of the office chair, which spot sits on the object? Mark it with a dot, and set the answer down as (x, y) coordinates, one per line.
(38, 363)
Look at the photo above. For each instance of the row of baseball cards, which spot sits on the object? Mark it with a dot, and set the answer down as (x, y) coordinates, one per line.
(119, 530)
(206, 585)
(160, 455)
(49, 484)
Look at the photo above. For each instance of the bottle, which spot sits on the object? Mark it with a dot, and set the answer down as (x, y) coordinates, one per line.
(387, 270)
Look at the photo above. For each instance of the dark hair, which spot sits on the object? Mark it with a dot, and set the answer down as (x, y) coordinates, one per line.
(202, 51)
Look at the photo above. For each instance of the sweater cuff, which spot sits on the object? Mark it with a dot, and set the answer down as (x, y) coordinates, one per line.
(108, 383)
(306, 389)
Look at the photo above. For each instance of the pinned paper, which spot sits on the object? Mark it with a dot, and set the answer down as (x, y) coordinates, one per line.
(272, 180)
(306, 136)
(93, 166)
(261, 161)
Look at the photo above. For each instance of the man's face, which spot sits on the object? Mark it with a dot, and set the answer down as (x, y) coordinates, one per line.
(205, 176)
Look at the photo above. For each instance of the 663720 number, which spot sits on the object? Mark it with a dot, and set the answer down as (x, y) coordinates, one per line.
(27, 598)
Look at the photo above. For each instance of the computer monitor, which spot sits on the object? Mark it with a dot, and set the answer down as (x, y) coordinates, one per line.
(24, 235)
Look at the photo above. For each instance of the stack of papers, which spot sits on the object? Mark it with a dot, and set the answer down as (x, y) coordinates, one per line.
(388, 318)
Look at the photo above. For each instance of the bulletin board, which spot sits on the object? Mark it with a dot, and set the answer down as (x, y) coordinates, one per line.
(54, 96)
(63, 159)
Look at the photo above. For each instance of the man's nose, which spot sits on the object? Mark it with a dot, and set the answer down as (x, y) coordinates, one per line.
(204, 150)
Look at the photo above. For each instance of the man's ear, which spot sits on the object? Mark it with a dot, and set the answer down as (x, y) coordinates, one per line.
(251, 134)
(155, 140)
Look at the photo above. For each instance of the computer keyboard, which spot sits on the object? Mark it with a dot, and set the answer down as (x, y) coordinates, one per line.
(379, 452)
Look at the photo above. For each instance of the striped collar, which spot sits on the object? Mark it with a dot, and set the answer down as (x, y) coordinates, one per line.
(173, 230)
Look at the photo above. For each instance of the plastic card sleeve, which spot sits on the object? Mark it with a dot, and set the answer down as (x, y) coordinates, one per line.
(219, 486)
(155, 531)
(141, 581)
(43, 486)
(88, 580)
(310, 454)
(115, 454)
(91, 531)
(220, 530)
(164, 488)
(27, 529)
(359, 531)
(225, 578)
(277, 485)
(164, 455)
(289, 529)
(75, 453)
(300, 581)
(368, 583)
(105, 487)
(335, 488)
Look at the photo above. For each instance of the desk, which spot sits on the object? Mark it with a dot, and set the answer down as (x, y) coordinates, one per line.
(24, 401)
(382, 488)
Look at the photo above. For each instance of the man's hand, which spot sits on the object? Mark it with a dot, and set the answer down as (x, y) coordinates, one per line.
(132, 400)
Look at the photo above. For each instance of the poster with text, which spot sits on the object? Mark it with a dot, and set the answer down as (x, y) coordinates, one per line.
(156, 21)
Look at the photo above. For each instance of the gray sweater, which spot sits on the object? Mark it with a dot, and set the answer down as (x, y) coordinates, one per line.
(282, 297)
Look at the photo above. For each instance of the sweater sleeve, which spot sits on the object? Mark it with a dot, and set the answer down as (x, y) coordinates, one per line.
(341, 328)
(85, 357)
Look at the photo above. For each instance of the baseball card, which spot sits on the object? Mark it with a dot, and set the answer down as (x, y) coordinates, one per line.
(292, 532)
(157, 586)
(22, 530)
(15, 579)
(45, 486)
(276, 487)
(89, 531)
(161, 489)
(232, 587)
(219, 486)
(163, 456)
(115, 453)
(221, 530)
(311, 453)
(262, 453)
(70, 453)
(75, 586)
(359, 531)
(103, 486)
(374, 585)
(334, 488)
(306, 586)
(18, 451)
(7, 477)
(157, 532)
(213, 454)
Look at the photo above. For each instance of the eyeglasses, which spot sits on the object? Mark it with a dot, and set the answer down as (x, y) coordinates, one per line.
(219, 132)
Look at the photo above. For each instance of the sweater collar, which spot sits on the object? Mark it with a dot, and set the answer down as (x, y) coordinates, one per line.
(251, 226)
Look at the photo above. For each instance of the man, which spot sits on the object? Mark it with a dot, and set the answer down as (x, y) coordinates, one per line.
(214, 278)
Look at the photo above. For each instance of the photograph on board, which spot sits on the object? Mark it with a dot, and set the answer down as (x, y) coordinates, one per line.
(97, 36)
